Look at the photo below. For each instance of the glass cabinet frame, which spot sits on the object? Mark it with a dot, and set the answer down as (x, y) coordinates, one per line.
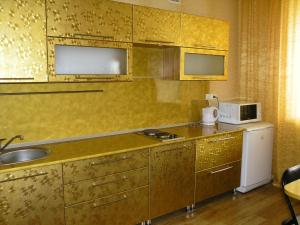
(210, 52)
(53, 77)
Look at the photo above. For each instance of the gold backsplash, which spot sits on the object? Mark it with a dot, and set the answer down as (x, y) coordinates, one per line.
(148, 101)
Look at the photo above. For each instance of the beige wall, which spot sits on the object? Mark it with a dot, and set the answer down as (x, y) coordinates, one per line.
(220, 9)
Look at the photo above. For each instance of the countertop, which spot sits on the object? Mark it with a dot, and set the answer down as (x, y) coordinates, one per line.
(94, 147)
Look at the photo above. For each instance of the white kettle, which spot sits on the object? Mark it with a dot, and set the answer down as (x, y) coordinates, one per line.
(210, 115)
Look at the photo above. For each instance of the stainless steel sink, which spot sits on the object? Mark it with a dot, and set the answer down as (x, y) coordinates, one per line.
(23, 155)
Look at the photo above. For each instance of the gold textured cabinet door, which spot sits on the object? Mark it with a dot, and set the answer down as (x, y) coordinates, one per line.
(23, 41)
(156, 26)
(217, 180)
(172, 177)
(32, 197)
(127, 208)
(202, 32)
(218, 150)
(99, 19)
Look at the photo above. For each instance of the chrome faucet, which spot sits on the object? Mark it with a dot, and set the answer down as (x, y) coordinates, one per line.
(21, 137)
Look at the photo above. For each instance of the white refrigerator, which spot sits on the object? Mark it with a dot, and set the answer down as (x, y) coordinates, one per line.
(257, 155)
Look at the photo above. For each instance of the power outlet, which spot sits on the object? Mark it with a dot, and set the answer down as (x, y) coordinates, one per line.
(209, 96)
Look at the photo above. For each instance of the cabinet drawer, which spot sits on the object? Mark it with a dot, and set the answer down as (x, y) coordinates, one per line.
(104, 186)
(217, 180)
(127, 208)
(103, 166)
(218, 150)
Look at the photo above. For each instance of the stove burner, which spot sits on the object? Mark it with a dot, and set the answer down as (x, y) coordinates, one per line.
(163, 136)
(150, 132)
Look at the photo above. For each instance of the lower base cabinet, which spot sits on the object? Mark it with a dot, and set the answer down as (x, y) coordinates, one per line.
(32, 197)
(127, 208)
(217, 180)
(172, 177)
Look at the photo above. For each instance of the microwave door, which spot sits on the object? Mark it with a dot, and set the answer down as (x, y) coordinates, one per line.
(248, 112)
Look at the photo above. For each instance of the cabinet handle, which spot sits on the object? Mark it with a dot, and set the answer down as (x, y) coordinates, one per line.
(158, 41)
(207, 46)
(96, 78)
(109, 161)
(124, 178)
(17, 78)
(12, 178)
(221, 170)
(96, 36)
(220, 139)
(95, 205)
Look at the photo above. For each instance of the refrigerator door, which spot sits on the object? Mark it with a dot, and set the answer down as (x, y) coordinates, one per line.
(257, 158)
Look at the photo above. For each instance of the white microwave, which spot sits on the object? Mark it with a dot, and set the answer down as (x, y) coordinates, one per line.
(239, 112)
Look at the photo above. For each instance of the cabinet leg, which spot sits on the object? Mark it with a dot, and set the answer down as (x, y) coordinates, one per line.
(190, 208)
(148, 222)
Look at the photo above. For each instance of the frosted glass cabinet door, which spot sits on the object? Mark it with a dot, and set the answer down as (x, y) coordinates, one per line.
(90, 60)
(74, 60)
(203, 64)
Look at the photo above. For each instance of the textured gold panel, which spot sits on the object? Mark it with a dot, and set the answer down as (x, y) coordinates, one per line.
(33, 196)
(52, 42)
(102, 166)
(184, 76)
(203, 32)
(104, 186)
(156, 26)
(100, 19)
(218, 150)
(172, 177)
(148, 62)
(127, 208)
(218, 180)
(23, 41)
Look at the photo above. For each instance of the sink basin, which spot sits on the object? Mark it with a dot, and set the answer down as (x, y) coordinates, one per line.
(23, 155)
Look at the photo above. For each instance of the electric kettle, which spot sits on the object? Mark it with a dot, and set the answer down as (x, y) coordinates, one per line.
(210, 115)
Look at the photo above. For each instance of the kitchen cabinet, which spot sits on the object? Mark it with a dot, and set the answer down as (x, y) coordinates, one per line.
(156, 26)
(83, 60)
(32, 196)
(23, 41)
(218, 164)
(203, 32)
(90, 19)
(195, 64)
(172, 177)
(108, 190)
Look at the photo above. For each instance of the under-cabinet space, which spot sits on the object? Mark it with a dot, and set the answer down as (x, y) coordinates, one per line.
(90, 19)
(78, 60)
(217, 180)
(172, 177)
(156, 26)
(203, 32)
(127, 208)
(32, 196)
(23, 44)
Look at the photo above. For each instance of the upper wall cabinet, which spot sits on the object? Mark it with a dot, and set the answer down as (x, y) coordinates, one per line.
(156, 26)
(202, 32)
(90, 19)
(22, 41)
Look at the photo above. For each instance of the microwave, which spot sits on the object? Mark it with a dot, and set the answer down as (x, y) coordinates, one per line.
(239, 112)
